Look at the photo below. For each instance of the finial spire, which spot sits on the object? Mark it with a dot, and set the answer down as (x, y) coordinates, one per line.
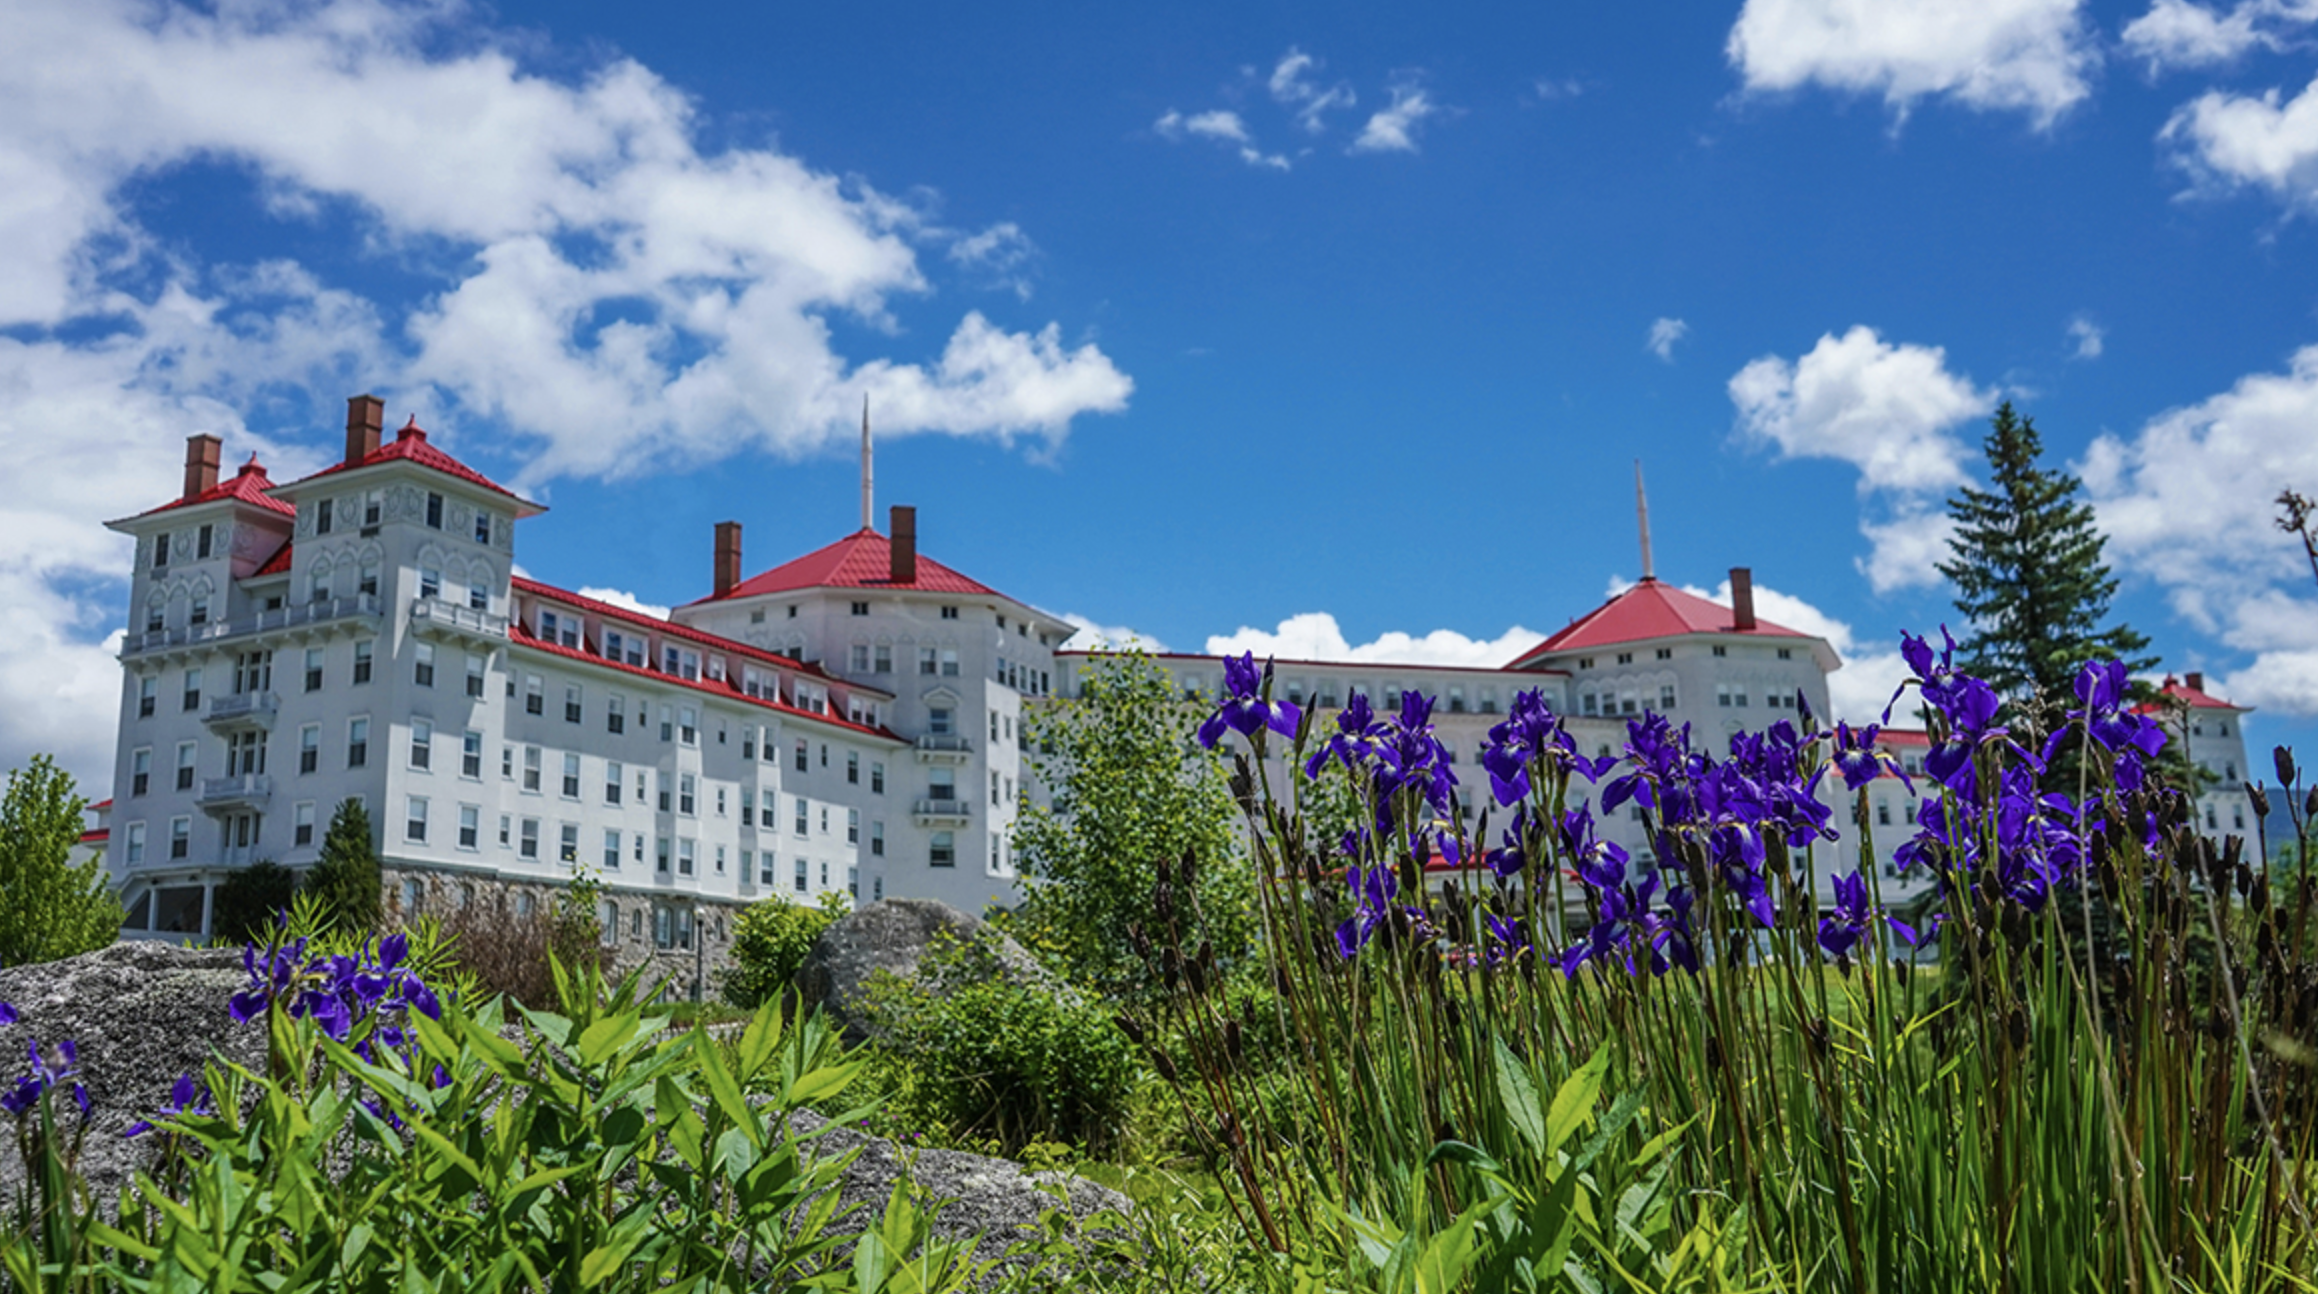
(1642, 517)
(868, 476)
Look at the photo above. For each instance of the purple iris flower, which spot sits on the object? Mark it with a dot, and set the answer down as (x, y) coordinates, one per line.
(53, 1070)
(7, 1014)
(1531, 736)
(1374, 889)
(186, 1096)
(1845, 924)
(1507, 938)
(2104, 686)
(1861, 761)
(1513, 855)
(1244, 709)
(335, 992)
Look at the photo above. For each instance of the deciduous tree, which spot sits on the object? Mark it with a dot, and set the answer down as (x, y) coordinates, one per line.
(48, 907)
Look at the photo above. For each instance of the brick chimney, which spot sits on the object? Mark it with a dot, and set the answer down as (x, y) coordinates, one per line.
(904, 526)
(727, 556)
(201, 453)
(364, 415)
(1742, 599)
(2195, 679)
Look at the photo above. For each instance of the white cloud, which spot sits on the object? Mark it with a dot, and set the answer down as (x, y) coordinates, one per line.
(623, 598)
(1292, 86)
(1315, 635)
(2230, 141)
(1663, 334)
(1393, 129)
(2190, 501)
(2031, 56)
(1223, 126)
(2183, 34)
(1001, 255)
(541, 207)
(2088, 336)
(1906, 546)
(1094, 636)
(1548, 89)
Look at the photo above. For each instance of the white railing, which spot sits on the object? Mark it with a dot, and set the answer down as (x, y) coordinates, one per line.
(960, 810)
(244, 788)
(245, 705)
(289, 617)
(440, 614)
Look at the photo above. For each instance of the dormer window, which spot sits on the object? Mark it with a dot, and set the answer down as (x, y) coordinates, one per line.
(434, 511)
(563, 630)
(679, 662)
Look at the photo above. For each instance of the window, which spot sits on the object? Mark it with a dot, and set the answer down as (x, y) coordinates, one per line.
(371, 503)
(471, 754)
(180, 837)
(804, 755)
(683, 664)
(571, 703)
(434, 511)
(950, 662)
(322, 514)
(685, 849)
(357, 743)
(667, 724)
(1882, 813)
(531, 768)
(1665, 696)
(192, 690)
(688, 726)
(949, 613)
(883, 661)
(567, 843)
(1625, 658)
(362, 654)
(661, 852)
(944, 851)
(506, 830)
(422, 744)
(860, 656)
(1721, 650)
(1666, 653)
(478, 596)
(941, 784)
(802, 828)
(994, 800)
(615, 717)
(302, 824)
(748, 810)
(482, 527)
(571, 775)
(613, 770)
(941, 721)
(877, 838)
(686, 789)
(800, 876)
(200, 613)
(720, 802)
(769, 808)
(628, 649)
(140, 770)
(562, 630)
(507, 763)
(529, 846)
(853, 826)
(664, 792)
(430, 582)
(367, 585)
(611, 852)
(310, 748)
(662, 924)
(414, 825)
(470, 826)
(926, 657)
(824, 819)
(146, 688)
(534, 694)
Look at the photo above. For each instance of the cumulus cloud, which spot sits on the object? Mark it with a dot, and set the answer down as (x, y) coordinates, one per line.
(2087, 338)
(623, 598)
(2188, 500)
(2183, 34)
(1889, 409)
(2030, 56)
(2226, 142)
(1293, 87)
(1315, 635)
(1394, 128)
(1095, 636)
(1663, 334)
(616, 295)
(1000, 255)
(1222, 125)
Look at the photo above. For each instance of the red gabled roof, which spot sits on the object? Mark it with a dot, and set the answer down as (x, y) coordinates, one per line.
(96, 837)
(1329, 664)
(2196, 698)
(1903, 737)
(278, 564)
(861, 560)
(249, 485)
(614, 611)
(410, 446)
(1650, 609)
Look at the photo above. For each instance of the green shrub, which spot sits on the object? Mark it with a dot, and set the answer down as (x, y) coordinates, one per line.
(769, 943)
(250, 900)
(992, 1058)
(345, 883)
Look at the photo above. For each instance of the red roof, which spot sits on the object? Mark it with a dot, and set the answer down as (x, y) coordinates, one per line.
(2196, 698)
(1328, 664)
(278, 564)
(249, 485)
(614, 611)
(96, 837)
(1651, 609)
(1903, 737)
(861, 560)
(410, 446)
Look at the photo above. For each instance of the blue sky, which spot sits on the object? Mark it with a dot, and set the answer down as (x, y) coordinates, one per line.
(1264, 326)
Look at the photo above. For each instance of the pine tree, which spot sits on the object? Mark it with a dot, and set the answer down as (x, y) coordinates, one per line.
(346, 880)
(48, 907)
(2028, 572)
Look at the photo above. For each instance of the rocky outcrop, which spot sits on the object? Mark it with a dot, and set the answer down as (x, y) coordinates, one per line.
(141, 1014)
(893, 935)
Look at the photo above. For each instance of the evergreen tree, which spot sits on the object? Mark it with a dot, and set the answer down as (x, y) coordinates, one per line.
(250, 902)
(2028, 573)
(346, 880)
(48, 907)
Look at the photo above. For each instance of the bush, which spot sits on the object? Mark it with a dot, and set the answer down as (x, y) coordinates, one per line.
(992, 1058)
(345, 883)
(769, 943)
(251, 901)
(48, 907)
(507, 952)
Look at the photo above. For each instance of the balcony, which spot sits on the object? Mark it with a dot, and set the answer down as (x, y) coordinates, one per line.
(246, 710)
(945, 748)
(457, 622)
(244, 792)
(327, 615)
(942, 813)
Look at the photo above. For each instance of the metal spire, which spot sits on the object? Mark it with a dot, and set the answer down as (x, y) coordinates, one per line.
(1642, 516)
(868, 476)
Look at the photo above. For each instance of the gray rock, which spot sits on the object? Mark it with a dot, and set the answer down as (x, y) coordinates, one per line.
(893, 935)
(141, 1014)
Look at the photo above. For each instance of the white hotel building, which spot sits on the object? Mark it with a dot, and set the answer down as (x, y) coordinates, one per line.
(849, 721)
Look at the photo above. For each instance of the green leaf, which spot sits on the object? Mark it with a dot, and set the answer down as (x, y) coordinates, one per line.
(1518, 1090)
(1574, 1103)
(721, 1087)
(598, 1041)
